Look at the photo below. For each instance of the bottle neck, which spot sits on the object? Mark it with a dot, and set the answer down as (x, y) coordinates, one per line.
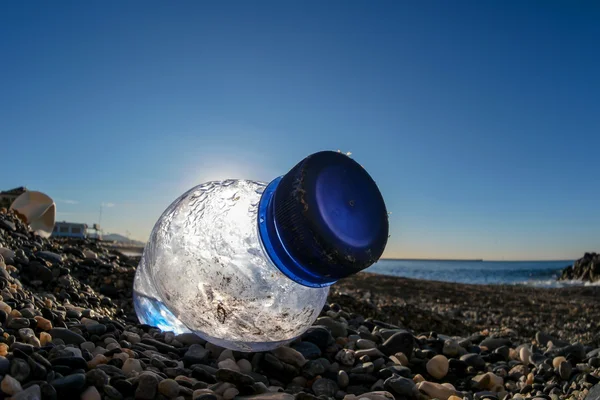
(276, 249)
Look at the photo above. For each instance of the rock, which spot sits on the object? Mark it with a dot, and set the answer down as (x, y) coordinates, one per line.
(19, 369)
(33, 392)
(565, 370)
(196, 354)
(342, 379)
(451, 348)
(69, 384)
(290, 356)
(525, 355)
(18, 323)
(131, 366)
(4, 365)
(267, 396)
(438, 366)
(400, 370)
(168, 388)
(436, 390)
(375, 395)
(473, 360)
(67, 336)
(312, 369)
(308, 350)
(10, 385)
(398, 342)
(319, 336)
(337, 328)
(324, 387)
(235, 377)
(43, 323)
(228, 363)
(50, 256)
(594, 393)
(147, 386)
(364, 344)
(372, 353)
(401, 386)
(244, 366)
(188, 339)
(345, 357)
(91, 393)
(97, 377)
(488, 381)
(493, 343)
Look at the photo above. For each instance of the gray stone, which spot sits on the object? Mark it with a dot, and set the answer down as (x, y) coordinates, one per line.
(324, 387)
(33, 392)
(401, 386)
(343, 379)
(337, 328)
(67, 336)
(147, 386)
(398, 342)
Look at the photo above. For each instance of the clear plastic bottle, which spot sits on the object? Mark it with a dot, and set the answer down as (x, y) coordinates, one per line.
(248, 265)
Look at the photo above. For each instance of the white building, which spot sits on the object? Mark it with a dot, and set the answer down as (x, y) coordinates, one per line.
(70, 229)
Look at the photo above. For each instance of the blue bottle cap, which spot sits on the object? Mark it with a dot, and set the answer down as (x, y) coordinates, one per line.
(324, 220)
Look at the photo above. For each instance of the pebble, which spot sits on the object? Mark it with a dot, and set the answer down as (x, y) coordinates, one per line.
(67, 336)
(10, 385)
(19, 369)
(308, 350)
(91, 393)
(345, 357)
(290, 356)
(244, 366)
(436, 390)
(228, 363)
(43, 323)
(342, 379)
(71, 383)
(324, 387)
(401, 386)
(336, 328)
(230, 393)
(168, 388)
(398, 342)
(131, 366)
(147, 386)
(438, 366)
(525, 355)
(565, 370)
(33, 392)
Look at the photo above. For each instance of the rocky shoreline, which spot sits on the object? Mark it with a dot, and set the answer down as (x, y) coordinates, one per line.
(69, 331)
(586, 269)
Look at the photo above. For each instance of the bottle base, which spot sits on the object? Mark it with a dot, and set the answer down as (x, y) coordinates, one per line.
(153, 312)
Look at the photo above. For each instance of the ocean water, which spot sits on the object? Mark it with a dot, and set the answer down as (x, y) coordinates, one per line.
(534, 273)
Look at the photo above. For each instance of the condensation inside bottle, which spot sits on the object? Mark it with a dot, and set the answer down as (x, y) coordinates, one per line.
(204, 270)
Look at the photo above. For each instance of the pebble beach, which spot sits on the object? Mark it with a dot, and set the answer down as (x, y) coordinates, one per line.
(69, 331)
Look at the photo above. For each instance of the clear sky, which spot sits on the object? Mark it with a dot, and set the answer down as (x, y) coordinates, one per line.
(479, 120)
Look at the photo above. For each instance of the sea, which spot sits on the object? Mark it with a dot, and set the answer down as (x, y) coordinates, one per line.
(532, 273)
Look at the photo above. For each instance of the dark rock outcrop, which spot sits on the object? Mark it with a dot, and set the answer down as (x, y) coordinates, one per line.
(585, 269)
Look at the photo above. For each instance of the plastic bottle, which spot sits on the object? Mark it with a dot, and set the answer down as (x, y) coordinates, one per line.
(247, 265)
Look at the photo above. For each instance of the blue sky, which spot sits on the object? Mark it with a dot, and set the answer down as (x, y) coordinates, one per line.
(480, 121)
